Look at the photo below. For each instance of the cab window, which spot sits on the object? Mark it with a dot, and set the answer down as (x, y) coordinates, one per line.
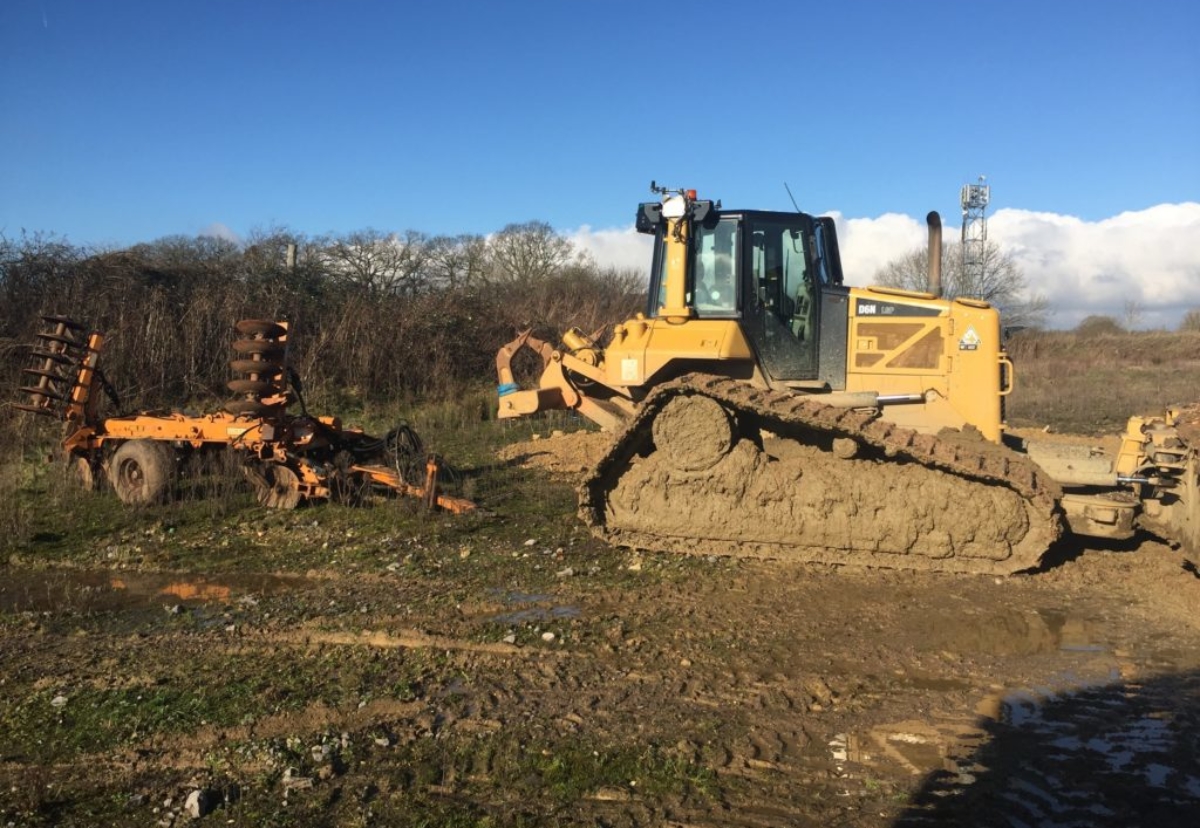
(780, 270)
(714, 268)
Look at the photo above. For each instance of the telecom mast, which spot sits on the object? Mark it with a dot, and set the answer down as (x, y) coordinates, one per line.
(974, 199)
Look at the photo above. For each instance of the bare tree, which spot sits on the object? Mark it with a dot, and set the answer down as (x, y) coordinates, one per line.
(997, 280)
(529, 252)
(377, 263)
(1132, 314)
(457, 261)
(1191, 320)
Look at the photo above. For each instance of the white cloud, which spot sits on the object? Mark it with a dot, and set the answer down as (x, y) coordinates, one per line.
(621, 248)
(1150, 257)
(867, 245)
(217, 230)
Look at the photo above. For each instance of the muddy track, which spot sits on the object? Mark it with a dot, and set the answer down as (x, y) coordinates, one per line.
(837, 486)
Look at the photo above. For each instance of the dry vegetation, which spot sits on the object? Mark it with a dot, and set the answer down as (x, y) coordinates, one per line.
(407, 318)
(1091, 384)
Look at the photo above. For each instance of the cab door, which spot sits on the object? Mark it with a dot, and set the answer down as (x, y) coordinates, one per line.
(781, 312)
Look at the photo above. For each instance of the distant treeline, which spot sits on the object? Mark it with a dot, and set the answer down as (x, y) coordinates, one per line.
(374, 317)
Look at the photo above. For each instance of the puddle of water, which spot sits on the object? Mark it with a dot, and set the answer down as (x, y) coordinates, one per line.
(89, 591)
(1021, 633)
(530, 614)
(526, 616)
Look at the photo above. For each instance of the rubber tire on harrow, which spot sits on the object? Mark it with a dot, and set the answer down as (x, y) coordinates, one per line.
(83, 474)
(282, 489)
(142, 472)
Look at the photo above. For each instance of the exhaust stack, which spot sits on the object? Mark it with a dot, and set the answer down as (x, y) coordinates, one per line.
(933, 274)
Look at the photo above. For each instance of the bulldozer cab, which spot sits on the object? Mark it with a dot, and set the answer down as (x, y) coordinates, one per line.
(766, 270)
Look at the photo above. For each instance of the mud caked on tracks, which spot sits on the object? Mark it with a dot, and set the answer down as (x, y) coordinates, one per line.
(712, 466)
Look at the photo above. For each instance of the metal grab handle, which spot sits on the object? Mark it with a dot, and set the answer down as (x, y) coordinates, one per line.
(1007, 372)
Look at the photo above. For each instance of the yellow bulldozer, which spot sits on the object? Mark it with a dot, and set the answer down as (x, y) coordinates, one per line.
(760, 407)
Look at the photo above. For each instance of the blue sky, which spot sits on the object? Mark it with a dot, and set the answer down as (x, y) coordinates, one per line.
(127, 121)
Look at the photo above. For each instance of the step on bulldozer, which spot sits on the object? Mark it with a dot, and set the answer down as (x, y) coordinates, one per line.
(289, 459)
(760, 407)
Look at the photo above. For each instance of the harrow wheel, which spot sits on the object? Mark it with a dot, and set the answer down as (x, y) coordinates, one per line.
(142, 472)
(277, 487)
(83, 473)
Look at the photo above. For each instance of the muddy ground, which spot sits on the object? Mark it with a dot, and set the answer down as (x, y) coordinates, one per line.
(514, 671)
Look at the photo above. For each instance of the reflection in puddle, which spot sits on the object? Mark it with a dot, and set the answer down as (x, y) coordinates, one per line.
(530, 614)
(86, 591)
(1078, 753)
(1020, 633)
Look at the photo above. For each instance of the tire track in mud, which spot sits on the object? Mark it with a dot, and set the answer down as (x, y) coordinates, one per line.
(814, 696)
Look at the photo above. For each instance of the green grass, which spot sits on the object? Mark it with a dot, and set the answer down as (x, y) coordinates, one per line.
(180, 690)
(569, 770)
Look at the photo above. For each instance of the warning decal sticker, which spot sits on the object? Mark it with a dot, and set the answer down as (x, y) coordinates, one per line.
(970, 340)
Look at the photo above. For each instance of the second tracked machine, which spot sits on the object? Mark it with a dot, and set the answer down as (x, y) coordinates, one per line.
(760, 407)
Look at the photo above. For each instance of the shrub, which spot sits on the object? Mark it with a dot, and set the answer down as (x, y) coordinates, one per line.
(1099, 326)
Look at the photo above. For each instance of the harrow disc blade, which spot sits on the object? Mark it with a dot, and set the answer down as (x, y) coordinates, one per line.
(62, 339)
(44, 392)
(65, 321)
(265, 347)
(50, 375)
(251, 407)
(260, 327)
(61, 357)
(35, 409)
(282, 489)
(261, 367)
(257, 387)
